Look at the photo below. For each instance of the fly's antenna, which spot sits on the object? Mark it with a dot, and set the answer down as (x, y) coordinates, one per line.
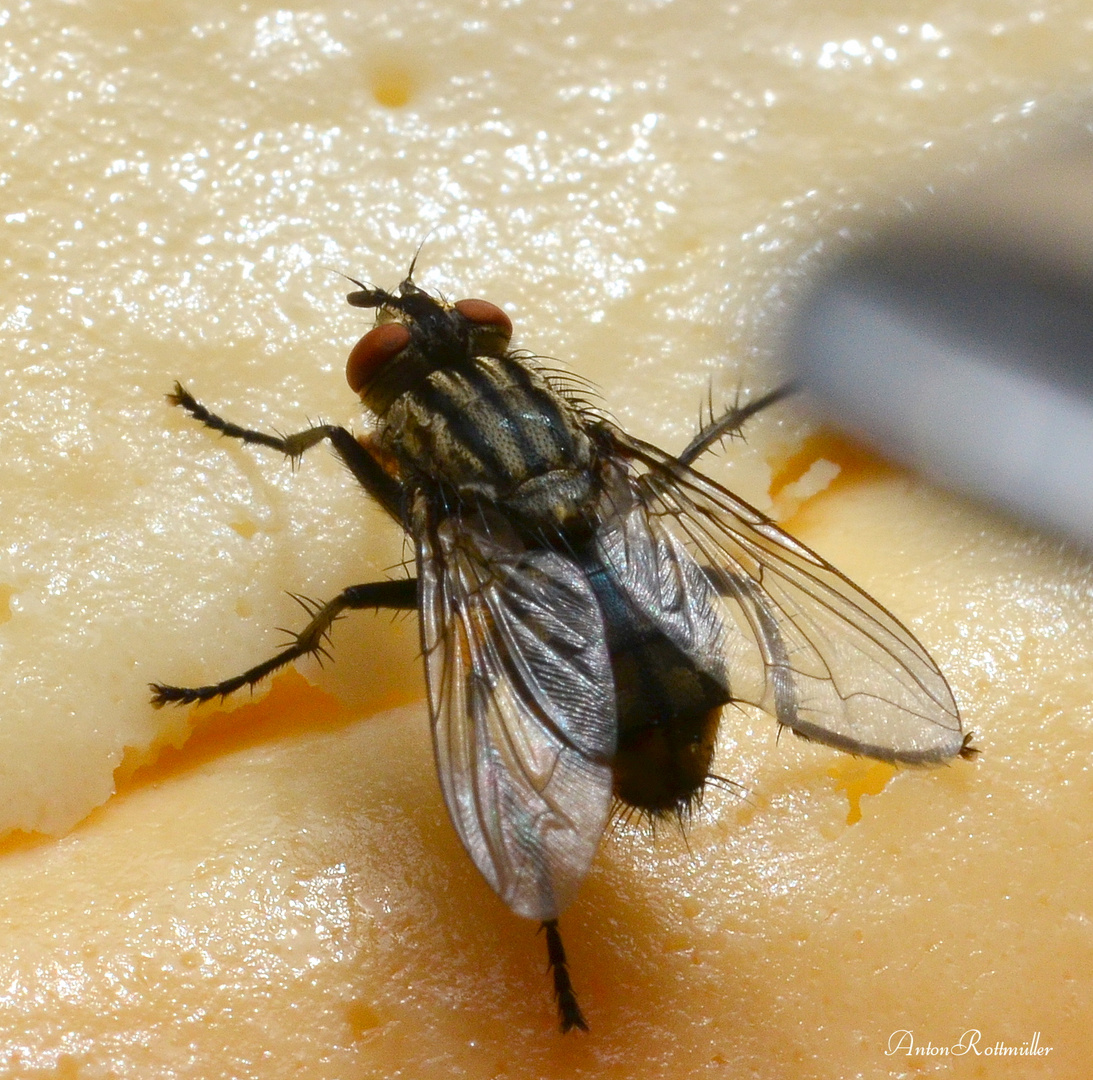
(342, 274)
(368, 296)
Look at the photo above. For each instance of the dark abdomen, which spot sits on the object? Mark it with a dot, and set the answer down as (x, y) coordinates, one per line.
(668, 709)
(668, 717)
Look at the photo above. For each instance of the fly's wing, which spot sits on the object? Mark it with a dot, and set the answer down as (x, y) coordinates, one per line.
(798, 638)
(523, 710)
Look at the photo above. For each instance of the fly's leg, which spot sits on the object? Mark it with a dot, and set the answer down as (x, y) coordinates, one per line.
(730, 422)
(383, 487)
(399, 595)
(387, 594)
(569, 1012)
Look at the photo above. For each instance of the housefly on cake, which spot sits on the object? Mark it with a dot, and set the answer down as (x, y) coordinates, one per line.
(588, 603)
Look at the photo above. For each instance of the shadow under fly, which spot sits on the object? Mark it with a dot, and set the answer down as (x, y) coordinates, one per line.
(588, 603)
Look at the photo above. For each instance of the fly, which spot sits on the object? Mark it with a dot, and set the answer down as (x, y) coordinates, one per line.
(588, 603)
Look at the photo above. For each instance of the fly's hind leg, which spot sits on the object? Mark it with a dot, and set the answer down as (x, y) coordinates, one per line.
(730, 422)
(399, 595)
(569, 1012)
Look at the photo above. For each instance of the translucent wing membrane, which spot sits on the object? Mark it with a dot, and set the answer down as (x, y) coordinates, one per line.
(523, 709)
(665, 583)
(798, 639)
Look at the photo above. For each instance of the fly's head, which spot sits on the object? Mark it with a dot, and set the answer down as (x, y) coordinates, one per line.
(416, 334)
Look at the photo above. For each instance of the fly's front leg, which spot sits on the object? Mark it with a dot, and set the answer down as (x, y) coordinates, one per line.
(386, 594)
(398, 595)
(383, 487)
(292, 446)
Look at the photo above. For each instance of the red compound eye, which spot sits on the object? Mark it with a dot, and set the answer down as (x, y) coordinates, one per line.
(486, 316)
(381, 344)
